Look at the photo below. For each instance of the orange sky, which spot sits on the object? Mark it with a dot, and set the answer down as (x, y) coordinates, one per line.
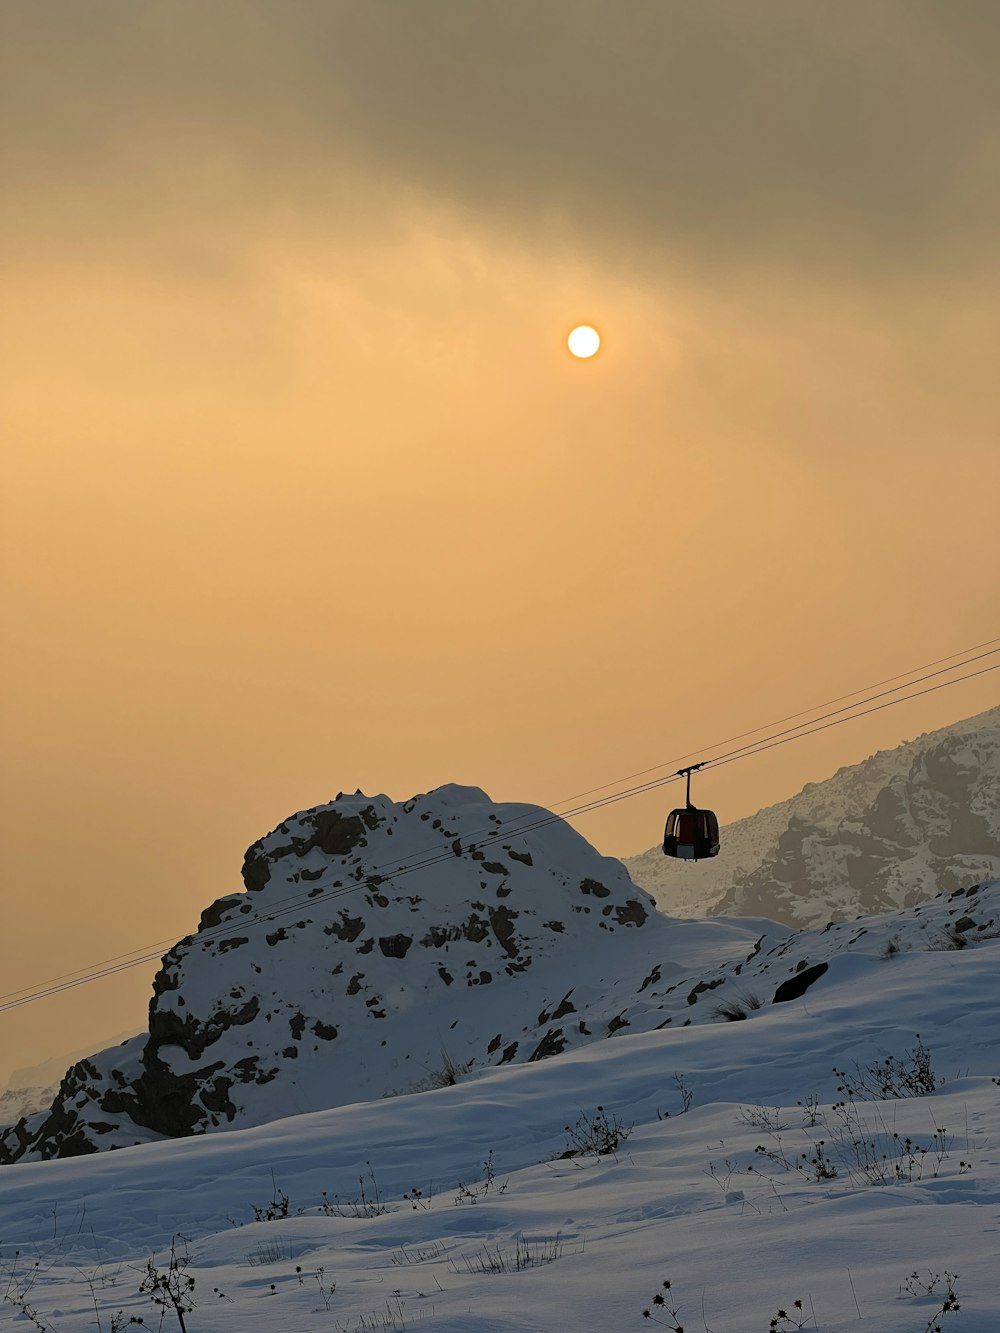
(302, 491)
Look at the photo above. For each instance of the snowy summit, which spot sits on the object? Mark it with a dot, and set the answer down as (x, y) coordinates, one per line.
(378, 948)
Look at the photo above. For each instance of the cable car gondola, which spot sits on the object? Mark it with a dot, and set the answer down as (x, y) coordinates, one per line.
(691, 834)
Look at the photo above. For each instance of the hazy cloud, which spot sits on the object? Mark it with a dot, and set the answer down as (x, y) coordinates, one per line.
(719, 133)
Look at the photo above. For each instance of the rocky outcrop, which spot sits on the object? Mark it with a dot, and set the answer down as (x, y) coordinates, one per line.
(375, 942)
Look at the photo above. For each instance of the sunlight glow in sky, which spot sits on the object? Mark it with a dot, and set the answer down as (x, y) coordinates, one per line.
(584, 341)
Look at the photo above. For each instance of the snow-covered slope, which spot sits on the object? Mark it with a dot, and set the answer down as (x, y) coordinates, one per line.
(743, 1175)
(894, 830)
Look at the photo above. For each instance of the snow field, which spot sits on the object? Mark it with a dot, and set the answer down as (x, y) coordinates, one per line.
(598, 1234)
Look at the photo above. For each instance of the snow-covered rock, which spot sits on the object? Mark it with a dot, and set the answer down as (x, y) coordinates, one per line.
(893, 831)
(378, 948)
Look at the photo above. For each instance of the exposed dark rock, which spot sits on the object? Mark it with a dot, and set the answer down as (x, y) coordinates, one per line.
(216, 1098)
(116, 1102)
(168, 1028)
(551, 1044)
(475, 929)
(347, 927)
(502, 922)
(395, 946)
(631, 913)
(438, 936)
(703, 986)
(166, 1100)
(799, 983)
(564, 1007)
(652, 979)
(337, 834)
(595, 887)
(256, 870)
(214, 913)
(168, 977)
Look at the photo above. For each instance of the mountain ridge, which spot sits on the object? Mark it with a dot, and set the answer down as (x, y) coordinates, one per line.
(888, 832)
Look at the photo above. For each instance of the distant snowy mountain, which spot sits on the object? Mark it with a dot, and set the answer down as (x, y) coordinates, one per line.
(892, 831)
(16, 1103)
(32, 1089)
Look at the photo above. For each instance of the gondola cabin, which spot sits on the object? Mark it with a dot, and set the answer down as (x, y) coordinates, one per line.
(691, 834)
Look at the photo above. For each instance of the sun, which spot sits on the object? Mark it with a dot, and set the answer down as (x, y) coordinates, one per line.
(584, 341)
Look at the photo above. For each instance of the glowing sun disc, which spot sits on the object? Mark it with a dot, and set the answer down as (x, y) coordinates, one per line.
(584, 341)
